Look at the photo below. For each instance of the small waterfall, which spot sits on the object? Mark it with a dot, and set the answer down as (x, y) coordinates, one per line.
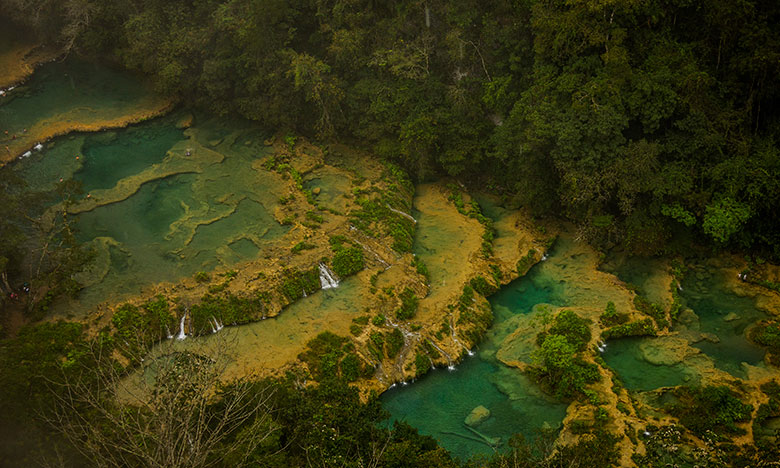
(602, 346)
(327, 278)
(405, 215)
(38, 147)
(456, 340)
(441, 351)
(182, 334)
(217, 326)
(168, 332)
(304, 292)
(544, 257)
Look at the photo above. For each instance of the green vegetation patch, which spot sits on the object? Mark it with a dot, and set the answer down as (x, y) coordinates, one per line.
(348, 261)
(296, 284)
(329, 356)
(644, 327)
(714, 409)
(409, 304)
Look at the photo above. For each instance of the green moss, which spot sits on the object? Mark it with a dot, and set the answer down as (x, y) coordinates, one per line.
(409, 303)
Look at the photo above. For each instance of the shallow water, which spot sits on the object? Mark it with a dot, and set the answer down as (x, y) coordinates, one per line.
(438, 403)
(72, 92)
(108, 157)
(626, 358)
(269, 344)
(184, 223)
(704, 291)
(214, 210)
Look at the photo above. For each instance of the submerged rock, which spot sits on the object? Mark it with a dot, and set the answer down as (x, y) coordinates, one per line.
(664, 351)
(477, 415)
(731, 317)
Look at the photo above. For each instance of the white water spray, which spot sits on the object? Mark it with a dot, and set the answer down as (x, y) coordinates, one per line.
(327, 278)
(182, 334)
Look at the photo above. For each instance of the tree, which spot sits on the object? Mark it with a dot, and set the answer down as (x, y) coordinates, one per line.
(175, 411)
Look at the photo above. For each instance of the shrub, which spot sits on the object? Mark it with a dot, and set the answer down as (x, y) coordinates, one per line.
(202, 277)
(711, 408)
(348, 261)
(409, 303)
(637, 328)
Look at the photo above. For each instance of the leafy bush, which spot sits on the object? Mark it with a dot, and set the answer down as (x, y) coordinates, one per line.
(409, 303)
(637, 328)
(571, 326)
(297, 283)
(394, 341)
(611, 316)
(329, 356)
(482, 286)
(347, 261)
(711, 408)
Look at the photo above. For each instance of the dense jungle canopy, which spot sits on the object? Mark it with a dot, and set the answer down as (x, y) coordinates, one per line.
(637, 119)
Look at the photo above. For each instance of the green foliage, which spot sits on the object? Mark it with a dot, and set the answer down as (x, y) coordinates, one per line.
(526, 262)
(651, 309)
(348, 261)
(330, 357)
(394, 341)
(37, 359)
(229, 310)
(725, 218)
(637, 328)
(767, 335)
(560, 370)
(202, 277)
(302, 245)
(575, 329)
(611, 317)
(296, 284)
(378, 320)
(138, 328)
(422, 363)
(409, 303)
(482, 286)
(715, 409)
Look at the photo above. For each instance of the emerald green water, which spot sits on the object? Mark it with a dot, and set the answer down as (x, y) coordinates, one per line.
(438, 403)
(711, 329)
(190, 213)
(703, 291)
(625, 357)
(183, 223)
(111, 156)
(70, 91)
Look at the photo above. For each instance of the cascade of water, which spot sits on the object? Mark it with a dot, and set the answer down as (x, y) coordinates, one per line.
(168, 332)
(327, 278)
(218, 326)
(182, 334)
(404, 214)
(304, 292)
(441, 351)
(456, 340)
